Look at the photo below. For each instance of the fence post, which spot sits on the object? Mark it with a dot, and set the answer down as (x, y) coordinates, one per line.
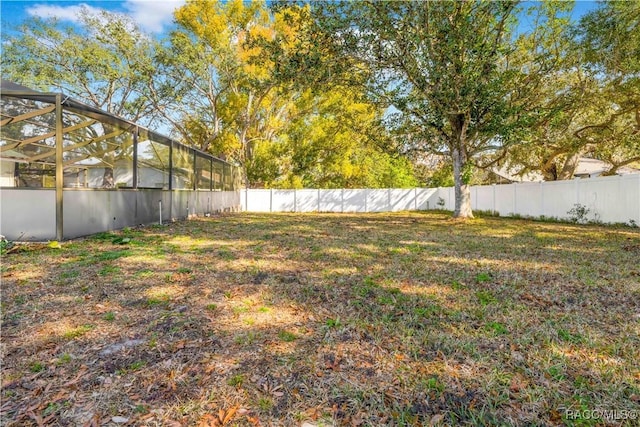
(388, 199)
(515, 198)
(295, 200)
(541, 199)
(318, 200)
(342, 200)
(415, 199)
(366, 196)
(493, 202)
(271, 200)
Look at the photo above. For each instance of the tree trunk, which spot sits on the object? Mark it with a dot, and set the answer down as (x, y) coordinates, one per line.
(462, 189)
(107, 178)
(459, 125)
(570, 165)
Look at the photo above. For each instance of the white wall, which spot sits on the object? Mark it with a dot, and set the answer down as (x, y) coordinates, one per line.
(609, 199)
(30, 214)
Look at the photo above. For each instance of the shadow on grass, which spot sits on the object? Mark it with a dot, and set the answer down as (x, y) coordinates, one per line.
(376, 319)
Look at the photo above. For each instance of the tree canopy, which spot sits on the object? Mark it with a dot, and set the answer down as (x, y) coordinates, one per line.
(361, 94)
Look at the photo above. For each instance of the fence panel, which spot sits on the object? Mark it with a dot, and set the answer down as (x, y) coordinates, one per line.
(307, 200)
(257, 200)
(283, 201)
(426, 198)
(528, 199)
(330, 201)
(558, 198)
(378, 201)
(402, 199)
(354, 200)
(483, 198)
(609, 199)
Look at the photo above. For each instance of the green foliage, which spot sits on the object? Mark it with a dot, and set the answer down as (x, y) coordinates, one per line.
(497, 328)
(353, 94)
(579, 213)
(441, 176)
(236, 380)
(596, 116)
(105, 60)
(450, 71)
(112, 255)
(36, 367)
(108, 270)
(570, 337)
(287, 336)
(483, 277)
(467, 173)
(78, 331)
(485, 297)
(5, 245)
(331, 145)
(333, 323)
(64, 359)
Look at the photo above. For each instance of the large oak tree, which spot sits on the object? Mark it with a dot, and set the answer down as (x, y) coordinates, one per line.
(462, 77)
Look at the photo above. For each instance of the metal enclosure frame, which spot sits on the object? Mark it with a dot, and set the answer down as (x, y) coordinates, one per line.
(58, 134)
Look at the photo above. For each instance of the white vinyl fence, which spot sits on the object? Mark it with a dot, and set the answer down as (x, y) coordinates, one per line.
(340, 200)
(614, 199)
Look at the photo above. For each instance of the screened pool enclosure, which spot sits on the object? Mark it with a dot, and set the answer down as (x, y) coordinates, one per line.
(68, 169)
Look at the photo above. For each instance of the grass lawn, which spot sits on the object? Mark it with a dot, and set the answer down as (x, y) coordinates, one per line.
(281, 319)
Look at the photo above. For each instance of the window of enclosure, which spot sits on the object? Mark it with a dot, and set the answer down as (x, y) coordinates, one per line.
(27, 143)
(153, 163)
(203, 172)
(218, 172)
(237, 178)
(96, 154)
(183, 173)
(227, 178)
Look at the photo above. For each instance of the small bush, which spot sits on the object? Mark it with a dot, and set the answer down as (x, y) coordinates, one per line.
(579, 214)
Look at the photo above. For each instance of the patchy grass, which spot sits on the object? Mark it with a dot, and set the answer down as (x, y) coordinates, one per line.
(372, 319)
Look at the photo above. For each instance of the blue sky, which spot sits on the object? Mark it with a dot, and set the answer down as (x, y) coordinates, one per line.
(153, 16)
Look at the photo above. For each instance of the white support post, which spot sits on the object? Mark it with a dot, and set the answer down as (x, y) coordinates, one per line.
(493, 204)
(541, 199)
(366, 196)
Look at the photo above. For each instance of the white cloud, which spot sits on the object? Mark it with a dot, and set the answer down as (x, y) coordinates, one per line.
(64, 13)
(150, 15)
